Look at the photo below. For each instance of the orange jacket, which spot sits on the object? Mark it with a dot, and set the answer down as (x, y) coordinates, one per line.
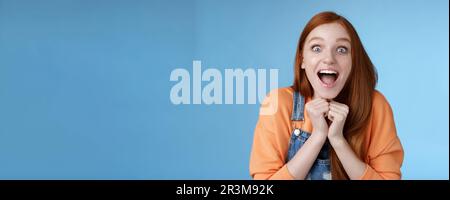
(272, 133)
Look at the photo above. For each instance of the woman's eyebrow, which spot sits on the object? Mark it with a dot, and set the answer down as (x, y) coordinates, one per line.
(343, 39)
(337, 40)
(315, 38)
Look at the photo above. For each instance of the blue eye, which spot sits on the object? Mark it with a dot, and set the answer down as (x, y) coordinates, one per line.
(342, 50)
(316, 48)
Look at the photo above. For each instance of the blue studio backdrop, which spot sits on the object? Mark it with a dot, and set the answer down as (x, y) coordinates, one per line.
(85, 85)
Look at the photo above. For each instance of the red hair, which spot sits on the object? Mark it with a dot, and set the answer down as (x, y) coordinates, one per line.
(356, 94)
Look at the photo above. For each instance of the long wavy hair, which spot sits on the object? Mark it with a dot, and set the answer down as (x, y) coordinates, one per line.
(356, 94)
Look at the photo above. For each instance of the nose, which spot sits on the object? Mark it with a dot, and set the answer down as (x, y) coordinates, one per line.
(329, 58)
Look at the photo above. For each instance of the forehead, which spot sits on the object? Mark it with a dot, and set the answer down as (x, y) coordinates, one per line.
(331, 31)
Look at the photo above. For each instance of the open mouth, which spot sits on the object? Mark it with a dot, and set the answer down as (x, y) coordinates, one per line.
(328, 77)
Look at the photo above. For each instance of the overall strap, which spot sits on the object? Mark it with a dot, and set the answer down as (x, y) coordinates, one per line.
(298, 107)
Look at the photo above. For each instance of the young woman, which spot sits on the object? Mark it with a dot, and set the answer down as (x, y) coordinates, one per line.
(331, 123)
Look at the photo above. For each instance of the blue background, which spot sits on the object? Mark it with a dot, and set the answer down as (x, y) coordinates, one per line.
(84, 85)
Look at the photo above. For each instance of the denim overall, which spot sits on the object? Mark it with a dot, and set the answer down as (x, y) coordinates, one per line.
(320, 170)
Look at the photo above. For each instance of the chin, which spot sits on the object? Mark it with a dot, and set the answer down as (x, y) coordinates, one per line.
(327, 95)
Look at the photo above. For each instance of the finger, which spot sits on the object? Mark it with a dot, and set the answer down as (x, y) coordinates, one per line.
(311, 104)
(330, 117)
(339, 114)
(323, 104)
(336, 115)
(317, 101)
(337, 109)
(341, 107)
(323, 109)
(316, 104)
(318, 111)
(336, 103)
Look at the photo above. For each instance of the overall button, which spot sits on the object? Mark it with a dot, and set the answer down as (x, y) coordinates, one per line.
(296, 132)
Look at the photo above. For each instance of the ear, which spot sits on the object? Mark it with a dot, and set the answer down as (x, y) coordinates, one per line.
(303, 65)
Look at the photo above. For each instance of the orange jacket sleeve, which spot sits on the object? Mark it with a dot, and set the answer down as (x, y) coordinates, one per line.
(385, 152)
(271, 138)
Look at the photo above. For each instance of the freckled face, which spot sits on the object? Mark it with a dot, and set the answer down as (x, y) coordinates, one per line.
(327, 59)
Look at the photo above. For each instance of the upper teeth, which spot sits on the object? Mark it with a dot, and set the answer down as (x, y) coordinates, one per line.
(325, 71)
